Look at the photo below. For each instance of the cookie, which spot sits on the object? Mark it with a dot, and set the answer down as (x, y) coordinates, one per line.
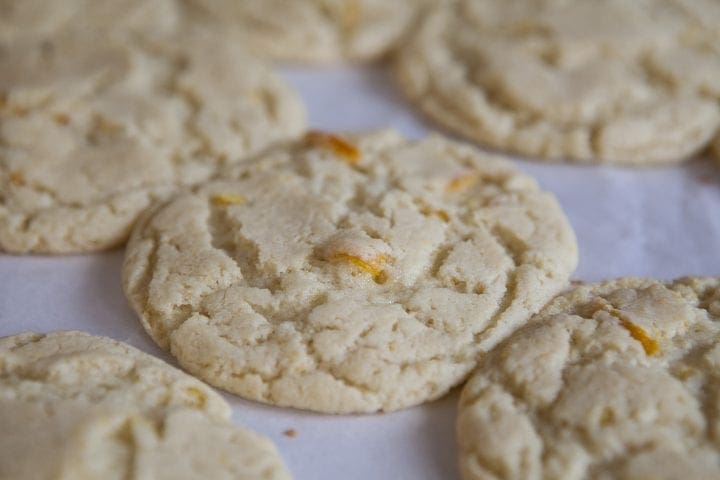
(73, 405)
(348, 274)
(587, 81)
(92, 130)
(315, 31)
(39, 18)
(616, 380)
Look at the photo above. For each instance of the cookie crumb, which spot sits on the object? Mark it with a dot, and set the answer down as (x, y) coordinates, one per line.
(290, 432)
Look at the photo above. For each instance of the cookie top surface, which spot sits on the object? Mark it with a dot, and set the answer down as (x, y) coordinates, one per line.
(97, 408)
(39, 18)
(92, 129)
(591, 81)
(315, 31)
(348, 274)
(617, 380)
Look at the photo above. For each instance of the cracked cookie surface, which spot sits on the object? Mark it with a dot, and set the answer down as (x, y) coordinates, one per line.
(316, 31)
(616, 380)
(589, 81)
(94, 127)
(348, 274)
(73, 405)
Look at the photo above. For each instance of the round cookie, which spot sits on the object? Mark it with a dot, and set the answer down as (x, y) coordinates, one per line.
(92, 130)
(316, 31)
(348, 274)
(73, 405)
(616, 380)
(589, 81)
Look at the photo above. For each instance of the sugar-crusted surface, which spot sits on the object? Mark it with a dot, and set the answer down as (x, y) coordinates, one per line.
(592, 81)
(576, 393)
(316, 31)
(75, 406)
(348, 286)
(96, 124)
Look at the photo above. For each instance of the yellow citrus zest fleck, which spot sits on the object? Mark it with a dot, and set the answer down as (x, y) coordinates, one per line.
(197, 396)
(441, 214)
(461, 182)
(339, 146)
(649, 344)
(351, 15)
(61, 119)
(373, 267)
(228, 199)
(17, 179)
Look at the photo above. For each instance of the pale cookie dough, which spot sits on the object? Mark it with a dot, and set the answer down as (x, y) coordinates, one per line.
(585, 80)
(41, 18)
(316, 31)
(616, 380)
(348, 274)
(75, 406)
(93, 130)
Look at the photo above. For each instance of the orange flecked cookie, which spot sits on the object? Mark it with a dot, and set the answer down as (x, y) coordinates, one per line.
(315, 31)
(94, 126)
(587, 81)
(348, 273)
(617, 380)
(76, 406)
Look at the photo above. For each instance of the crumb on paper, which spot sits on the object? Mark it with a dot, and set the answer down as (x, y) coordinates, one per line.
(290, 432)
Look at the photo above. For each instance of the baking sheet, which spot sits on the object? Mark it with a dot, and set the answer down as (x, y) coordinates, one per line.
(647, 222)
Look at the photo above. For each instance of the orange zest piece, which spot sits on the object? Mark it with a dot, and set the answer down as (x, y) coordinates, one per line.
(351, 15)
(461, 182)
(197, 395)
(441, 214)
(650, 345)
(17, 179)
(340, 147)
(373, 267)
(228, 199)
(61, 119)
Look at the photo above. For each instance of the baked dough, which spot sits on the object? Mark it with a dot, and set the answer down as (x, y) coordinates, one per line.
(616, 380)
(315, 31)
(93, 129)
(73, 406)
(348, 273)
(584, 80)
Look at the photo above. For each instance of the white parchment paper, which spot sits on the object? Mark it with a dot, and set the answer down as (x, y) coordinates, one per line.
(646, 222)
